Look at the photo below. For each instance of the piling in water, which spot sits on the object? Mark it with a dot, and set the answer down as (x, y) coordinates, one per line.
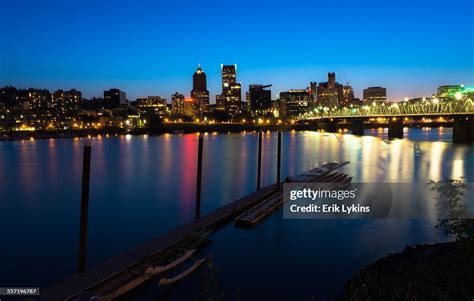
(259, 163)
(199, 178)
(86, 169)
(279, 161)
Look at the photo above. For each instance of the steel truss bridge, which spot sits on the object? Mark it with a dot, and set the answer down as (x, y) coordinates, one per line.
(425, 108)
(461, 111)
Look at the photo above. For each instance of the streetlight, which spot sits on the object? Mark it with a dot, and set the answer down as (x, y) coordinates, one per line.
(458, 95)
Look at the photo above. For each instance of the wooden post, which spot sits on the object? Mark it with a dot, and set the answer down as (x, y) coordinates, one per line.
(86, 169)
(199, 178)
(279, 161)
(259, 161)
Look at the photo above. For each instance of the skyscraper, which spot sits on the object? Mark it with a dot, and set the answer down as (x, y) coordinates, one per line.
(230, 98)
(260, 99)
(330, 93)
(199, 93)
(313, 90)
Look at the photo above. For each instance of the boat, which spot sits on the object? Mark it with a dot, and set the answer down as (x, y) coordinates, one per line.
(149, 273)
(187, 272)
(153, 265)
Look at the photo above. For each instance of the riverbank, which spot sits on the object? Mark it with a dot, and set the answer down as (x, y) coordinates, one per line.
(182, 128)
(442, 271)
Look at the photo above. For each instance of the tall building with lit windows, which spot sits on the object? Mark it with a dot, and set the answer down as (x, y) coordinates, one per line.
(155, 105)
(330, 93)
(260, 99)
(177, 104)
(296, 102)
(348, 94)
(230, 100)
(199, 93)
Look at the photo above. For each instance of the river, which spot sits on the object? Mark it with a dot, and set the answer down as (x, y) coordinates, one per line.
(143, 186)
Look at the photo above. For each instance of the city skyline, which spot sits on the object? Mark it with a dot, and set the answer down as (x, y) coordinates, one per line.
(147, 52)
(212, 100)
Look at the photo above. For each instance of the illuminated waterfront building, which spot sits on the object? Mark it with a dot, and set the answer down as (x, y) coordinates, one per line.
(152, 104)
(230, 100)
(177, 104)
(348, 95)
(259, 99)
(295, 102)
(199, 93)
(330, 93)
(191, 107)
(375, 94)
(114, 98)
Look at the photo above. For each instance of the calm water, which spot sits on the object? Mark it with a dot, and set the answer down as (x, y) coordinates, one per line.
(143, 186)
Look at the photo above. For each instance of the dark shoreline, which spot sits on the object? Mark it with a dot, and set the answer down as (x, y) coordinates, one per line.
(442, 271)
(185, 128)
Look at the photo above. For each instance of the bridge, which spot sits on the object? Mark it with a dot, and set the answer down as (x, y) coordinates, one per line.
(461, 111)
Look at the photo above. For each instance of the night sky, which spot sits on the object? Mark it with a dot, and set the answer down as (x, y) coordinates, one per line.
(153, 48)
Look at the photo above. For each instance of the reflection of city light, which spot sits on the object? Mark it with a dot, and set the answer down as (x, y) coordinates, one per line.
(458, 169)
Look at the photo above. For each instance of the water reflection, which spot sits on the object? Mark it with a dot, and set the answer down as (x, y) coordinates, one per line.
(143, 186)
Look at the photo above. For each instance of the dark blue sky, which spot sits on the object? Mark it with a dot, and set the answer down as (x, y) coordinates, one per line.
(153, 47)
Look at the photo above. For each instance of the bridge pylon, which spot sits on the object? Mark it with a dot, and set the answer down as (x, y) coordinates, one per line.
(395, 128)
(358, 126)
(463, 129)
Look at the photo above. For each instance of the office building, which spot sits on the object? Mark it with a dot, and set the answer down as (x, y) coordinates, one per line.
(199, 93)
(295, 102)
(313, 91)
(348, 95)
(177, 104)
(375, 94)
(259, 99)
(114, 98)
(155, 105)
(230, 100)
(330, 93)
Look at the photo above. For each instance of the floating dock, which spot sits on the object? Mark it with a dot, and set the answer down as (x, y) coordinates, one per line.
(322, 175)
(156, 258)
(84, 286)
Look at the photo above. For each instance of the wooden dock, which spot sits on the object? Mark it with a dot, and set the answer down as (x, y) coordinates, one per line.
(323, 175)
(126, 271)
(76, 285)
